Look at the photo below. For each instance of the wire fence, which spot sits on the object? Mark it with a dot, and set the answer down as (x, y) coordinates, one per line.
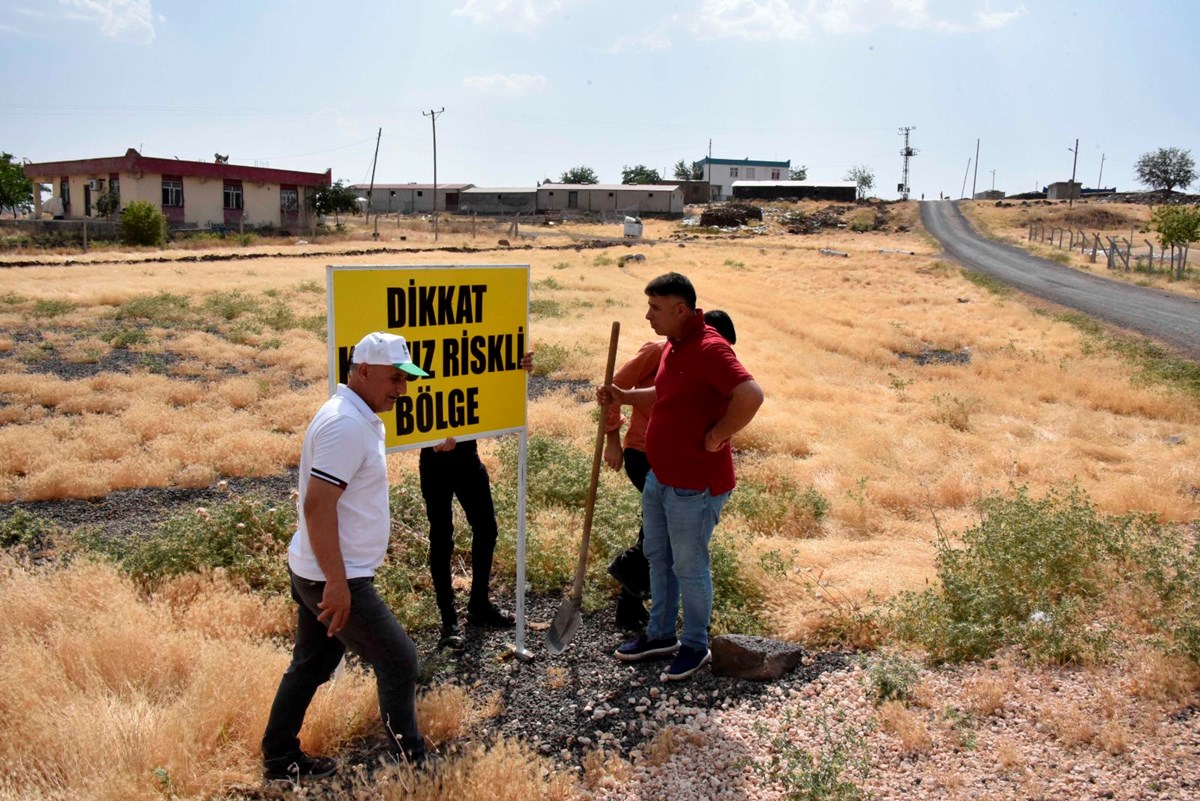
(1119, 252)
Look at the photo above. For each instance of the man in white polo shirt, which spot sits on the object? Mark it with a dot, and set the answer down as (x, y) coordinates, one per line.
(341, 538)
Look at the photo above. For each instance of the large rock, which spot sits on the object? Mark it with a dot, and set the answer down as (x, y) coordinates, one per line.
(753, 658)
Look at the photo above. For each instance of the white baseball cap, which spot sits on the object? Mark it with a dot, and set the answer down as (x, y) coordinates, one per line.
(383, 348)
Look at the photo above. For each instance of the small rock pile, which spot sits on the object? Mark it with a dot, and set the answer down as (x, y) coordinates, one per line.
(730, 215)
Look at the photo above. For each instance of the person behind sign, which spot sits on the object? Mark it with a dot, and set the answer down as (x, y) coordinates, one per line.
(630, 568)
(448, 470)
(341, 538)
(702, 396)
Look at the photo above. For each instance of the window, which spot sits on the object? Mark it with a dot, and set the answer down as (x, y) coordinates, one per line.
(420, 193)
(289, 199)
(114, 187)
(733, 172)
(172, 190)
(750, 173)
(233, 195)
(64, 192)
(775, 175)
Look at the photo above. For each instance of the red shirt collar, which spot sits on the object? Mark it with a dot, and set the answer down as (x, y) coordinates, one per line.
(692, 328)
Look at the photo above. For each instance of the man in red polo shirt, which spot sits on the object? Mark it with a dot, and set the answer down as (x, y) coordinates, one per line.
(702, 396)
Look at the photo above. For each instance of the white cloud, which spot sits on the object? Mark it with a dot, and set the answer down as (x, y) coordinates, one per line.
(789, 20)
(656, 39)
(518, 15)
(939, 16)
(512, 84)
(127, 20)
(751, 19)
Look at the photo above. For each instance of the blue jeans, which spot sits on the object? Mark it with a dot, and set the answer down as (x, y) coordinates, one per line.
(679, 524)
(373, 633)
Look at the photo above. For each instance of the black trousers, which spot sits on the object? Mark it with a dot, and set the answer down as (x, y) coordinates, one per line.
(445, 476)
(373, 633)
(633, 560)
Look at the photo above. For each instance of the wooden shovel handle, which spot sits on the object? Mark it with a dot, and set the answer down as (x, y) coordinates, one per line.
(589, 505)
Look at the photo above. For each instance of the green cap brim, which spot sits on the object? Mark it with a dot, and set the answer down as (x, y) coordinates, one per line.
(412, 369)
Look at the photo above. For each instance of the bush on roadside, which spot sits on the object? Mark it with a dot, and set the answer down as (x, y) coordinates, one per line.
(142, 224)
(1034, 573)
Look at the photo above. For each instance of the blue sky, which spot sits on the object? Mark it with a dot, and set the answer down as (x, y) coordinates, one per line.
(531, 88)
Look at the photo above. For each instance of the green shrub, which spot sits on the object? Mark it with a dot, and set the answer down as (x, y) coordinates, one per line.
(23, 529)
(545, 307)
(1170, 569)
(142, 224)
(549, 358)
(1031, 573)
(889, 676)
(739, 600)
(51, 308)
(779, 506)
(231, 305)
(122, 338)
(822, 774)
(246, 536)
(163, 309)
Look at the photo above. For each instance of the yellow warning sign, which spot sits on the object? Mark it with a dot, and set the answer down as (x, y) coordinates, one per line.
(465, 325)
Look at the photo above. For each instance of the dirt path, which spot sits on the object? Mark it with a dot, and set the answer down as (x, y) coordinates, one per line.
(1164, 316)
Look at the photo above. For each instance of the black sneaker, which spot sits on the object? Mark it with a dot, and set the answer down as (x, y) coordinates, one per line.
(645, 648)
(452, 638)
(632, 572)
(298, 768)
(492, 616)
(686, 662)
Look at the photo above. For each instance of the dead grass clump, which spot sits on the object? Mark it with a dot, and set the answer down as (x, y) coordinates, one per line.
(1072, 726)
(445, 713)
(557, 678)
(1008, 756)
(605, 769)
(502, 770)
(659, 750)
(239, 392)
(906, 726)
(1156, 676)
(985, 695)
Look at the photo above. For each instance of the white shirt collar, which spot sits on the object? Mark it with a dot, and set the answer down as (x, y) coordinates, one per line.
(360, 406)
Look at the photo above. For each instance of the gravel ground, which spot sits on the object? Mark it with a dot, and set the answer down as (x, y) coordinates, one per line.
(976, 732)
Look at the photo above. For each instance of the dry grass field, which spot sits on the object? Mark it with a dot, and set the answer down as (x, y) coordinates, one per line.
(1128, 221)
(897, 390)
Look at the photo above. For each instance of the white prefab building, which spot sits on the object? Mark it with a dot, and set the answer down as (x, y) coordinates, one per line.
(634, 199)
(721, 173)
(498, 200)
(410, 198)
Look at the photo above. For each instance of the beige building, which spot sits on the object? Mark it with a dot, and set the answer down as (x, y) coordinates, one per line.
(633, 199)
(197, 194)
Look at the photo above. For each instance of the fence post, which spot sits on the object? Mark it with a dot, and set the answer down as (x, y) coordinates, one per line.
(1112, 248)
(1095, 245)
(1150, 264)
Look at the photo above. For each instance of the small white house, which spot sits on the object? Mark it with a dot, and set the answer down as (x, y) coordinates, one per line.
(410, 198)
(721, 173)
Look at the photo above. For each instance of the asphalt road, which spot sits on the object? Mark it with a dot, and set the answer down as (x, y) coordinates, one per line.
(1172, 319)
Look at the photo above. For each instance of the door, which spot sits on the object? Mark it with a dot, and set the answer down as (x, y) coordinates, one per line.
(572, 200)
(451, 201)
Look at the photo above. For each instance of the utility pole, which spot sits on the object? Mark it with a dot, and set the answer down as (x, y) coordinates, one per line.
(976, 175)
(993, 180)
(1100, 180)
(908, 153)
(1071, 187)
(433, 115)
(966, 172)
(371, 188)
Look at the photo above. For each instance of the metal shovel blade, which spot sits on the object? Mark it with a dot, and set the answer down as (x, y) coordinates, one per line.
(565, 626)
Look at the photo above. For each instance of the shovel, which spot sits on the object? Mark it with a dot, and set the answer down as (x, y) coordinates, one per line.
(567, 619)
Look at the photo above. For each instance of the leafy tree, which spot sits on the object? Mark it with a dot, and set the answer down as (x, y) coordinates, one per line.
(16, 191)
(108, 203)
(335, 199)
(579, 175)
(1166, 168)
(1176, 225)
(683, 172)
(863, 177)
(639, 174)
(798, 173)
(142, 224)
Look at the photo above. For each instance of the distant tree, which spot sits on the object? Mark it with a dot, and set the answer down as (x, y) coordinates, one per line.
(1166, 168)
(639, 174)
(579, 175)
(683, 172)
(863, 178)
(16, 191)
(336, 199)
(142, 224)
(798, 173)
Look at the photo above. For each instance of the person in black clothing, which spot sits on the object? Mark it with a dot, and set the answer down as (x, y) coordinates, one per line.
(452, 470)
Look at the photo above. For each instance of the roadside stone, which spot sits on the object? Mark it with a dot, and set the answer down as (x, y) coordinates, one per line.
(753, 658)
